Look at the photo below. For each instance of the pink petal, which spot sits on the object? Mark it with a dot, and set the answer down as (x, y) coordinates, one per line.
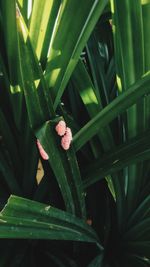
(43, 153)
(61, 128)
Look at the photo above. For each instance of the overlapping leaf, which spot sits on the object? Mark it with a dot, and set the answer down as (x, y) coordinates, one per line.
(23, 218)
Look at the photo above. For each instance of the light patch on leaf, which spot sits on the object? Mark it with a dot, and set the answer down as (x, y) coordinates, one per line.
(47, 208)
(115, 161)
(119, 84)
(1, 220)
(15, 89)
(36, 82)
(54, 74)
(29, 8)
(145, 2)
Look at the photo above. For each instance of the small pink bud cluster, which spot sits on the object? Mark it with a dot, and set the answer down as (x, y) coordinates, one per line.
(43, 153)
(65, 133)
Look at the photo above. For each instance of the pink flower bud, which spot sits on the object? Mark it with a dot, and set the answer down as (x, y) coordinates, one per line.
(43, 153)
(61, 128)
(66, 139)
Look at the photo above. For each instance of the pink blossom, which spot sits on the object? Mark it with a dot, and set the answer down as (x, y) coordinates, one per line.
(61, 128)
(43, 153)
(66, 139)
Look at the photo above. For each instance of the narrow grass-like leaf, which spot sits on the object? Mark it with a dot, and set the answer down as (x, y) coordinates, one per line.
(63, 59)
(115, 108)
(142, 211)
(25, 8)
(10, 56)
(38, 100)
(146, 14)
(135, 150)
(8, 12)
(44, 14)
(140, 231)
(128, 32)
(86, 90)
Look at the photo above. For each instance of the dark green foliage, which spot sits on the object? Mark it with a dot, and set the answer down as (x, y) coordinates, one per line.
(85, 62)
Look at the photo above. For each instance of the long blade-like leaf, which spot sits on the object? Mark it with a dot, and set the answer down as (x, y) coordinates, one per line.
(63, 59)
(44, 14)
(23, 218)
(116, 107)
(38, 99)
(136, 150)
(86, 90)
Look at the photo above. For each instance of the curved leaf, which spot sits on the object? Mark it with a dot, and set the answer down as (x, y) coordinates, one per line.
(65, 168)
(136, 150)
(115, 108)
(24, 218)
(63, 59)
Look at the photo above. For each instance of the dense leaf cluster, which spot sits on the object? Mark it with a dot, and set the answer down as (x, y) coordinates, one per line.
(87, 63)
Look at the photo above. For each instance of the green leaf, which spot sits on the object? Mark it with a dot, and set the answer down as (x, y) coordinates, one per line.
(140, 231)
(131, 54)
(115, 108)
(44, 14)
(64, 166)
(146, 14)
(24, 7)
(10, 57)
(140, 213)
(63, 58)
(99, 55)
(83, 84)
(8, 12)
(137, 149)
(38, 99)
(128, 32)
(23, 218)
